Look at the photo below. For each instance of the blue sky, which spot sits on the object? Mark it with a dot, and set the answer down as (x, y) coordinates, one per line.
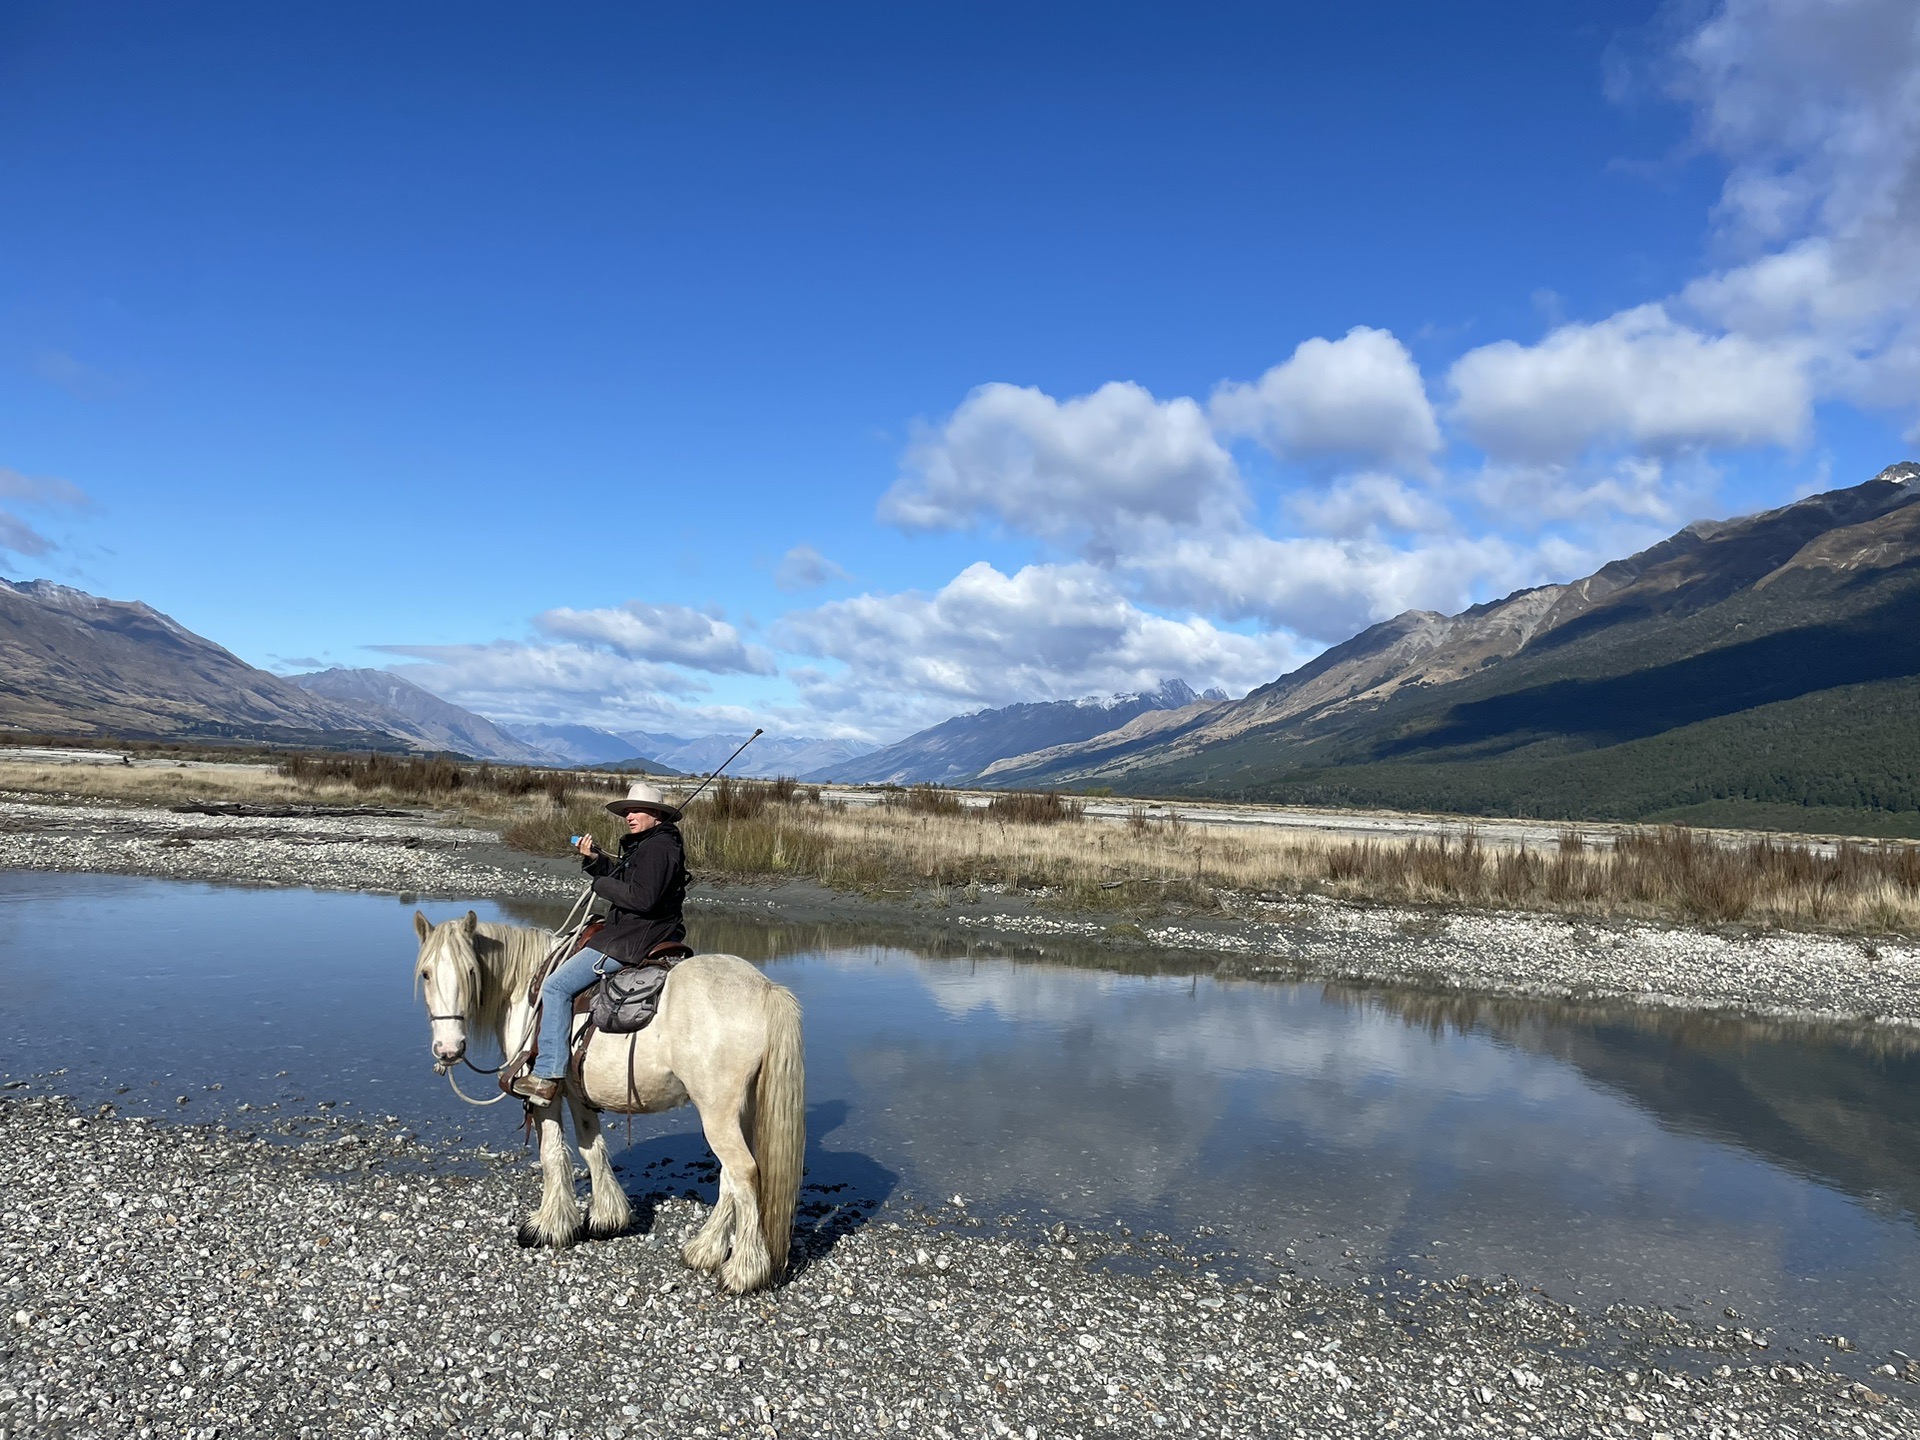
(844, 367)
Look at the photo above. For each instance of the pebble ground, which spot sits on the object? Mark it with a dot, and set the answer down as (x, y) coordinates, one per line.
(200, 1282)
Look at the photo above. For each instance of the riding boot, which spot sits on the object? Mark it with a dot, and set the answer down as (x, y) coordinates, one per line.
(537, 1088)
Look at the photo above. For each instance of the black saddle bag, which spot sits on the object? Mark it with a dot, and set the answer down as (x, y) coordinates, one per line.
(626, 1000)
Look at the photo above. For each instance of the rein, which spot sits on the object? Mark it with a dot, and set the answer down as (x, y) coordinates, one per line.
(477, 1069)
(576, 917)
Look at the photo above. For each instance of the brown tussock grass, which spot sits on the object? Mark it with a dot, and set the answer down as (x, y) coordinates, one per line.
(923, 838)
(1146, 865)
(154, 784)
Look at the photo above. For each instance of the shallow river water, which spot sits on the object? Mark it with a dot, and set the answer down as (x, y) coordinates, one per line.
(1601, 1154)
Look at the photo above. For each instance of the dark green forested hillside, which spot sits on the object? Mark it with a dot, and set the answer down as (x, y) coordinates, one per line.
(1834, 760)
(1715, 691)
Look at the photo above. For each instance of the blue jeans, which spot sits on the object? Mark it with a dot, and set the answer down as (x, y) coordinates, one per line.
(556, 1008)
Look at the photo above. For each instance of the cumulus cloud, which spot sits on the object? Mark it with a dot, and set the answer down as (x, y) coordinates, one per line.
(1816, 109)
(670, 634)
(805, 568)
(513, 678)
(988, 638)
(1814, 106)
(1627, 488)
(1639, 379)
(1358, 399)
(1083, 471)
(1324, 588)
(1367, 504)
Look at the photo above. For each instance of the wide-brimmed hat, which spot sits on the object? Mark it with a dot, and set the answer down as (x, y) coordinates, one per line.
(648, 797)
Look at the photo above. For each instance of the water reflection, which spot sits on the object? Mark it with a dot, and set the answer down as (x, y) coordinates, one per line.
(1838, 1104)
(1598, 1152)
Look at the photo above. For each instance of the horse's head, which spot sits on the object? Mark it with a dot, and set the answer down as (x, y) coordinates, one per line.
(448, 975)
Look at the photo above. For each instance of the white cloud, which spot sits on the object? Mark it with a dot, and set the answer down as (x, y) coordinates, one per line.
(567, 684)
(1365, 504)
(805, 568)
(1084, 471)
(504, 677)
(1328, 589)
(1639, 379)
(1816, 109)
(671, 634)
(1626, 488)
(986, 638)
(1814, 106)
(18, 537)
(1358, 399)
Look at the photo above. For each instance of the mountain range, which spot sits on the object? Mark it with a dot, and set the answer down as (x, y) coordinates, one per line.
(687, 754)
(1763, 670)
(387, 702)
(74, 664)
(961, 748)
(1759, 671)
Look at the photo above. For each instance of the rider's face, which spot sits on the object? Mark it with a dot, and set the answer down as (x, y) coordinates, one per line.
(639, 822)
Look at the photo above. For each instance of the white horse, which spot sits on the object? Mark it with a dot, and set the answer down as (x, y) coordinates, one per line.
(726, 1038)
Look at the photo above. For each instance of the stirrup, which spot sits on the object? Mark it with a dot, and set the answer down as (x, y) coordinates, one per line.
(535, 1088)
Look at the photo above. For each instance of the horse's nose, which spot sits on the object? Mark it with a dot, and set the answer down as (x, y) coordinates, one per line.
(448, 1052)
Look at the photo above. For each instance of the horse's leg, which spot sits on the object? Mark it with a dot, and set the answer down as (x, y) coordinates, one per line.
(609, 1214)
(708, 1249)
(557, 1220)
(735, 1224)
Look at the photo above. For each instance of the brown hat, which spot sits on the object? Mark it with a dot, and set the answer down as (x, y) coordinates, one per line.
(642, 795)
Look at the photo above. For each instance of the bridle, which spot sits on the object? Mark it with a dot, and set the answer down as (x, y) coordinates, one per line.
(461, 1058)
(445, 1067)
(576, 916)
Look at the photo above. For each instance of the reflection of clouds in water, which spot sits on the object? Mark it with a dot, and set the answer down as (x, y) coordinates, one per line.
(1272, 1113)
(1247, 1028)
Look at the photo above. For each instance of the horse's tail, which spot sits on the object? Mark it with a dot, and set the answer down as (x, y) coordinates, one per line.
(780, 1124)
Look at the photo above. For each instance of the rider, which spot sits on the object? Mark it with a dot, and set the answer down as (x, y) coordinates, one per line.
(645, 887)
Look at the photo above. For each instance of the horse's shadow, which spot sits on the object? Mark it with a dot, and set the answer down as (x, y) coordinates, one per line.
(840, 1193)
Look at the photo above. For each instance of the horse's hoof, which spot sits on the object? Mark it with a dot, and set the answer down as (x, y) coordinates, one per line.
(741, 1284)
(607, 1230)
(530, 1238)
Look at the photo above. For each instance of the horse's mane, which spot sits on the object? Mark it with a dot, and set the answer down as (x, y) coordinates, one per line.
(507, 955)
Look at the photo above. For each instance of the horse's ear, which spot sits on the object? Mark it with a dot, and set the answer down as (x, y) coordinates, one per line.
(473, 922)
(422, 926)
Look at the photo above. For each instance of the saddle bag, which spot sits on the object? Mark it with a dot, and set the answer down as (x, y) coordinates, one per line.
(626, 1000)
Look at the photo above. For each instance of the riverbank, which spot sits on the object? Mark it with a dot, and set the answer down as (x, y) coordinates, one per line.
(1771, 973)
(199, 1281)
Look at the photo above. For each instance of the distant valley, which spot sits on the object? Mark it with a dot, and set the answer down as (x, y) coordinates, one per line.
(1761, 671)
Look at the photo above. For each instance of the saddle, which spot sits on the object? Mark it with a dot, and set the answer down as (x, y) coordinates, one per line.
(622, 1003)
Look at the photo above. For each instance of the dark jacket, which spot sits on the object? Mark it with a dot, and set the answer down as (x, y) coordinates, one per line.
(647, 885)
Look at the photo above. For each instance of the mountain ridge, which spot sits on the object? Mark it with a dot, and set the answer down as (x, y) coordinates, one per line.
(1720, 618)
(400, 707)
(962, 747)
(76, 663)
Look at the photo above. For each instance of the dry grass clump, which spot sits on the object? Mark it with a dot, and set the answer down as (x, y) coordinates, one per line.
(171, 784)
(925, 800)
(1670, 872)
(426, 776)
(1027, 807)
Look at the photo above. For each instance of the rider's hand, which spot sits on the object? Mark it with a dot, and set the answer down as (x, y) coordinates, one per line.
(586, 847)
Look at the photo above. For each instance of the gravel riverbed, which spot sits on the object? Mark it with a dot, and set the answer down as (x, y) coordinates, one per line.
(1782, 975)
(200, 1282)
